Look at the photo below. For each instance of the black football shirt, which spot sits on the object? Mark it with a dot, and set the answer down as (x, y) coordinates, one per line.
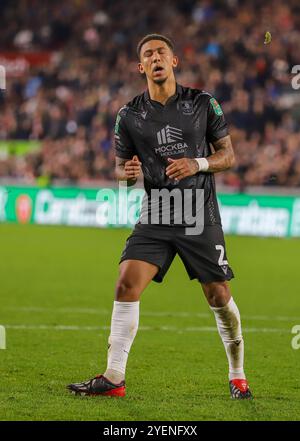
(185, 126)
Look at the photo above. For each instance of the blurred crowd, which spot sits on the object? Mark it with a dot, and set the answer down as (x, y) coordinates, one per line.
(70, 104)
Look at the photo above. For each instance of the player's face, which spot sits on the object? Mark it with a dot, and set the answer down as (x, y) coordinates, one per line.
(157, 61)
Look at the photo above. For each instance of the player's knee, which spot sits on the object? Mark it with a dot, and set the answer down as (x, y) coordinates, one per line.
(217, 293)
(126, 290)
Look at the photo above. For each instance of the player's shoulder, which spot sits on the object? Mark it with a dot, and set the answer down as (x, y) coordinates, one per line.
(132, 106)
(196, 94)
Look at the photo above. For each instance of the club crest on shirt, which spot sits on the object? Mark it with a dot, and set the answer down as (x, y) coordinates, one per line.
(187, 107)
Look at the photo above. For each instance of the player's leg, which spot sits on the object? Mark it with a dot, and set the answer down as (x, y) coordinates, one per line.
(229, 326)
(147, 255)
(134, 277)
(204, 257)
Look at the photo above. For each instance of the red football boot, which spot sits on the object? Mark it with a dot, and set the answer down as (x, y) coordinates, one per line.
(239, 389)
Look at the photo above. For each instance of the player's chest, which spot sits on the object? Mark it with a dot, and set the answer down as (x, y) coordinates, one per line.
(179, 124)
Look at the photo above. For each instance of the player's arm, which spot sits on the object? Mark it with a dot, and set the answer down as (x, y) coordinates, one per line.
(128, 169)
(223, 158)
(127, 164)
(217, 134)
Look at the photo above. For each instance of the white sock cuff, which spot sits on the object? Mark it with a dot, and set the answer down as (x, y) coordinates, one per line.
(125, 308)
(126, 304)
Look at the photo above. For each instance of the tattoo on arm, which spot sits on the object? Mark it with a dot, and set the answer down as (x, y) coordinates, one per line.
(223, 158)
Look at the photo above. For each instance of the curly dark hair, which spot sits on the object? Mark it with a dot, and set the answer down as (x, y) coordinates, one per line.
(153, 37)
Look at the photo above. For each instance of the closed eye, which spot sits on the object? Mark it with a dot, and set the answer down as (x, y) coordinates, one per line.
(149, 52)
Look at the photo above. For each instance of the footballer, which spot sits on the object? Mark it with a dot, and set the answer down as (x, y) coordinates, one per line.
(178, 137)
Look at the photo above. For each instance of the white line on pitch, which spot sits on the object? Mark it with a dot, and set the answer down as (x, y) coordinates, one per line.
(141, 328)
(95, 311)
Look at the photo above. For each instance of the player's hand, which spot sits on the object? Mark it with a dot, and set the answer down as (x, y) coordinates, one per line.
(181, 168)
(132, 168)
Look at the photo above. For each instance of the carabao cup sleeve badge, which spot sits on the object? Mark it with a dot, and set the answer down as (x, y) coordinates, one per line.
(216, 106)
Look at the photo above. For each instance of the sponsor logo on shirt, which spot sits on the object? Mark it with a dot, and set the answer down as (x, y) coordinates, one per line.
(169, 134)
(166, 138)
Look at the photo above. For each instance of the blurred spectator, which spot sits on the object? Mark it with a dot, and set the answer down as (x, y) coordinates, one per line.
(70, 105)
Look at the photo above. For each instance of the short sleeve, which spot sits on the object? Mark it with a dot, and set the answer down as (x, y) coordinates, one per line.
(216, 123)
(123, 143)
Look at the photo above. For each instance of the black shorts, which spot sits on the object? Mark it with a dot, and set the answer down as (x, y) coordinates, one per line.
(204, 255)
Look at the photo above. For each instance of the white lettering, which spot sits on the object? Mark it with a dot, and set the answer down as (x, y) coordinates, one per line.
(2, 77)
(2, 338)
(296, 79)
(296, 340)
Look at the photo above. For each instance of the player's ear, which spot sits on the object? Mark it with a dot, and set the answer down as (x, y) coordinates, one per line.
(141, 68)
(175, 61)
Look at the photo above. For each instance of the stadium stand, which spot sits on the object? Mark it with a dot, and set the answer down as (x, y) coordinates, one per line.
(71, 65)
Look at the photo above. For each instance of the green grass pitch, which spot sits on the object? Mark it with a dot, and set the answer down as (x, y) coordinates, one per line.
(57, 288)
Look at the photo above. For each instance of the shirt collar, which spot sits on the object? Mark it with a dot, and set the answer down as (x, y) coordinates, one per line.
(178, 92)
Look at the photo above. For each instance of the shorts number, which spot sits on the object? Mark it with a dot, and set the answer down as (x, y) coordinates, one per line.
(221, 260)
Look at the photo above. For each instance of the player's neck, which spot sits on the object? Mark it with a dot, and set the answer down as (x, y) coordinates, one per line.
(162, 92)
